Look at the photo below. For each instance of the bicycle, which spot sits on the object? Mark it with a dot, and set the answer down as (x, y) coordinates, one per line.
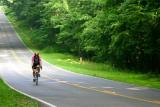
(37, 69)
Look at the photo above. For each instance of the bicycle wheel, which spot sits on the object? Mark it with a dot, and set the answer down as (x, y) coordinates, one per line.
(36, 79)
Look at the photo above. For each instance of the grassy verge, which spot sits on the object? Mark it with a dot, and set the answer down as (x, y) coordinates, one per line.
(71, 63)
(10, 98)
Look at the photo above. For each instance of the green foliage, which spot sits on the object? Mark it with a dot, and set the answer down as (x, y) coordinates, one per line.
(70, 62)
(123, 32)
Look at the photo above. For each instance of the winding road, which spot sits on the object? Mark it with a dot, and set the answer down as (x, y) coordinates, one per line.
(61, 88)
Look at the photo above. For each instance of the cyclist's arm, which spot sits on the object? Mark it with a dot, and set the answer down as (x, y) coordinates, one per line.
(32, 60)
(40, 62)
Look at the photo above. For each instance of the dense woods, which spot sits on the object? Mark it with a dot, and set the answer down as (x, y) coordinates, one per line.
(125, 33)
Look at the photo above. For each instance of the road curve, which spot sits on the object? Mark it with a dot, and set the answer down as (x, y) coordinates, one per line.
(63, 88)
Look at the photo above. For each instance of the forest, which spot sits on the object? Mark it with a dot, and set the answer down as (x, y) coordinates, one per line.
(125, 33)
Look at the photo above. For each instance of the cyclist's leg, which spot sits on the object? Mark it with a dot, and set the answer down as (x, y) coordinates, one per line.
(34, 71)
(38, 68)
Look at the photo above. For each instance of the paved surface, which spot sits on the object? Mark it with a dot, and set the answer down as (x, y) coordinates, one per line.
(42, 105)
(62, 88)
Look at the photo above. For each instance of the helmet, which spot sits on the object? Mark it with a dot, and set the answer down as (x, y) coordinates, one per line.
(36, 53)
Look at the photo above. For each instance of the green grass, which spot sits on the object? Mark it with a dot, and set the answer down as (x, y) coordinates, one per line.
(11, 98)
(71, 63)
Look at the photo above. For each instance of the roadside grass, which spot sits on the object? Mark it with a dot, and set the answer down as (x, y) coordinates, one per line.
(71, 63)
(11, 98)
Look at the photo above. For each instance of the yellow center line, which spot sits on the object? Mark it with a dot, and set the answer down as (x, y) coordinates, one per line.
(15, 56)
(18, 61)
(104, 91)
(89, 88)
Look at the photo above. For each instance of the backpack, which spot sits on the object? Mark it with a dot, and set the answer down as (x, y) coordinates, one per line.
(36, 59)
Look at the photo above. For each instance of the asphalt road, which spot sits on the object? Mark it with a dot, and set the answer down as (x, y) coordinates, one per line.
(63, 88)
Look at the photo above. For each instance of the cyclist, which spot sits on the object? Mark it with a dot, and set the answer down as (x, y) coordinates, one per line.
(36, 61)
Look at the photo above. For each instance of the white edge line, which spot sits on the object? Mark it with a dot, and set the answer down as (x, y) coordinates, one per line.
(56, 68)
(42, 101)
(32, 97)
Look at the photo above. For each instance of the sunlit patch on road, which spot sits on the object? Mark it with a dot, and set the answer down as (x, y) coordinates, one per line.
(63, 81)
(3, 55)
(137, 88)
(81, 82)
(107, 87)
